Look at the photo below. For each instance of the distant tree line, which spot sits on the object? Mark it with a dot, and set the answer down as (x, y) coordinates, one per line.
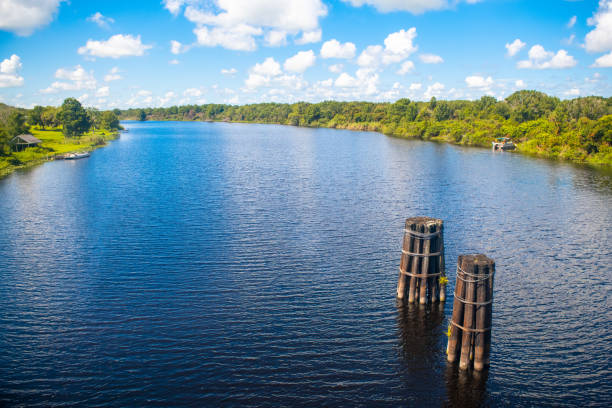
(579, 129)
(73, 119)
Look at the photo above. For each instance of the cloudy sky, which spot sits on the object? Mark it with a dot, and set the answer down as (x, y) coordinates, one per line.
(136, 53)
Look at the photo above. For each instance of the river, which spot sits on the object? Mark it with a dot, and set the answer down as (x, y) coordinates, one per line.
(213, 264)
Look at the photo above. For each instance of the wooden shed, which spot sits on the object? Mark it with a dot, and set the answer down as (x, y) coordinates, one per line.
(21, 142)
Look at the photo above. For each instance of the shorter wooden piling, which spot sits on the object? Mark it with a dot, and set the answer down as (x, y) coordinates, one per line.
(422, 261)
(470, 330)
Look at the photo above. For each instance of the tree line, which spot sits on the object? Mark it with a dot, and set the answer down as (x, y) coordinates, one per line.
(579, 129)
(73, 119)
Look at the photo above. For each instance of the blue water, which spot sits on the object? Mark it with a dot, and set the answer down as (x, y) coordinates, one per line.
(201, 264)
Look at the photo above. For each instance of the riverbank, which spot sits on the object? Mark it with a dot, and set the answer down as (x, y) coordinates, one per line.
(529, 138)
(53, 143)
(577, 130)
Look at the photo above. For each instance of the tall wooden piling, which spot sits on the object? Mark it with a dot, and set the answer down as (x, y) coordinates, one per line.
(470, 331)
(422, 261)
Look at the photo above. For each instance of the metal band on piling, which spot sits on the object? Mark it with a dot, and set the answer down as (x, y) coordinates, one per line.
(469, 339)
(419, 275)
(486, 329)
(422, 261)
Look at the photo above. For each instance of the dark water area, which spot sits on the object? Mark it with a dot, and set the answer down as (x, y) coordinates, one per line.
(201, 264)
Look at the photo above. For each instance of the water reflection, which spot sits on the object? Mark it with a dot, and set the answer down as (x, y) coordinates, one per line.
(466, 389)
(420, 329)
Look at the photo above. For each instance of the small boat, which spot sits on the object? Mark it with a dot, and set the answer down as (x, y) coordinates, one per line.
(503, 143)
(75, 156)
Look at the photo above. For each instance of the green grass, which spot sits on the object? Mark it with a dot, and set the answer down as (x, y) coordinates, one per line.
(53, 143)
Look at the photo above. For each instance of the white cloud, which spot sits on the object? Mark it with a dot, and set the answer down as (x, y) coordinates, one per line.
(73, 80)
(193, 92)
(412, 6)
(572, 92)
(229, 72)
(261, 74)
(173, 6)
(11, 65)
(431, 59)
(117, 46)
(407, 66)
(113, 75)
(514, 47)
(335, 49)
(519, 83)
(415, 86)
(231, 21)
(167, 98)
(178, 48)
(9, 69)
(275, 38)
(477, 81)
(308, 37)
(100, 20)
(398, 47)
(605, 61)
(569, 40)
(365, 80)
(596, 78)
(238, 38)
(600, 38)
(371, 56)
(336, 68)
(434, 90)
(537, 52)
(22, 17)
(103, 91)
(174, 62)
(571, 22)
(539, 58)
(345, 81)
(300, 62)
(268, 67)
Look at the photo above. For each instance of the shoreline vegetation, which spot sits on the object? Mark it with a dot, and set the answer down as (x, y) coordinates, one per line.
(53, 144)
(577, 130)
(67, 129)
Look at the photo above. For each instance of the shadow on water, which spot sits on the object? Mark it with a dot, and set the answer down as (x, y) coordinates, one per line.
(420, 327)
(465, 389)
(423, 345)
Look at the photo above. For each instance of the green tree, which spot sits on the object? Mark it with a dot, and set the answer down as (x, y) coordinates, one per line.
(93, 115)
(36, 116)
(49, 117)
(16, 124)
(4, 141)
(73, 118)
(109, 121)
(442, 111)
(142, 116)
(411, 112)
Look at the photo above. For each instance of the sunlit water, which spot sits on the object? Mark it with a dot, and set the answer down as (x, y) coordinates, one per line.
(209, 264)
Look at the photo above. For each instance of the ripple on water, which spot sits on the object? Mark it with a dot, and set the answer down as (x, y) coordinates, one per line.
(216, 264)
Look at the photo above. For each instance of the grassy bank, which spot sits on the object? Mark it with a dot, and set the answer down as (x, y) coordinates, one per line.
(53, 143)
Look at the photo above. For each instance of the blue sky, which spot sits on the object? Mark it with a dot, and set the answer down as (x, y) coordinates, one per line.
(159, 53)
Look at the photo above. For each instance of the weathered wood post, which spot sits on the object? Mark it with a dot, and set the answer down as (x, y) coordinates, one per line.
(422, 261)
(470, 330)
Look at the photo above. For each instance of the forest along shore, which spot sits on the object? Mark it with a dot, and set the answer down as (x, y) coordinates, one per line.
(53, 144)
(69, 128)
(578, 130)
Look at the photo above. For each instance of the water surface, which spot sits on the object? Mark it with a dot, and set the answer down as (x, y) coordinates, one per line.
(207, 264)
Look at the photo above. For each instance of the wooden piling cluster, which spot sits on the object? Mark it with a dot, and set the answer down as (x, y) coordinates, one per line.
(422, 261)
(470, 327)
